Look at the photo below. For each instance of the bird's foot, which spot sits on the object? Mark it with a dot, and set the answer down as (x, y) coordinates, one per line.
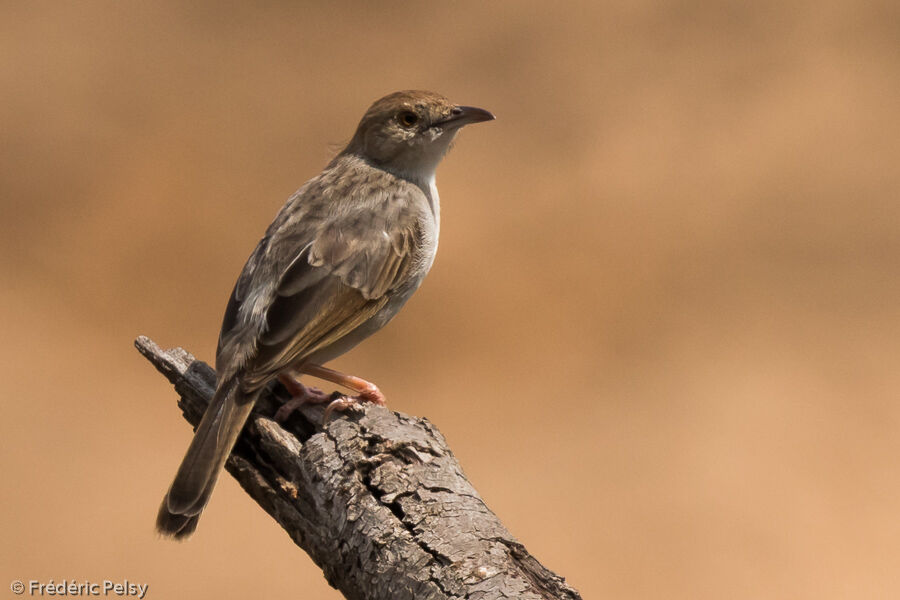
(370, 394)
(300, 395)
(366, 391)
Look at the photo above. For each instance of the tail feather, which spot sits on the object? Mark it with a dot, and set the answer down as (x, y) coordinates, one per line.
(196, 478)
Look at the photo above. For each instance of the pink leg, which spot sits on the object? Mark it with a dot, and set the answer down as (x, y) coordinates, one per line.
(366, 390)
(301, 394)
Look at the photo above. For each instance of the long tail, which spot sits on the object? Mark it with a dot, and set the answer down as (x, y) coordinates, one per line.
(215, 437)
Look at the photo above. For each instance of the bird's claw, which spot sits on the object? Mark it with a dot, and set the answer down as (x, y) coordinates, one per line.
(342, 402)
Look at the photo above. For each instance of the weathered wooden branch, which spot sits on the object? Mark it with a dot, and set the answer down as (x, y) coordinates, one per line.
(376, 499)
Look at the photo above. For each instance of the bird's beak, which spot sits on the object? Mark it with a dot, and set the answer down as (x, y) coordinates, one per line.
(465, 115)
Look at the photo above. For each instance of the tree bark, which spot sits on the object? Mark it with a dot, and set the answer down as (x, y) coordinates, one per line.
(376, 498)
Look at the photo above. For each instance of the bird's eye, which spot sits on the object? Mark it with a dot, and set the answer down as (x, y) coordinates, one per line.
(408, 118)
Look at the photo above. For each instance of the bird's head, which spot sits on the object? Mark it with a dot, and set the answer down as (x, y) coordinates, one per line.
(409, 132)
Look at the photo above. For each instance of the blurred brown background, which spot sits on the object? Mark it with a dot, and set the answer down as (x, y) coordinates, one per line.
(661, 334)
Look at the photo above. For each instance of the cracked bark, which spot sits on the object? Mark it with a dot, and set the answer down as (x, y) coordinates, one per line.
(376, 499)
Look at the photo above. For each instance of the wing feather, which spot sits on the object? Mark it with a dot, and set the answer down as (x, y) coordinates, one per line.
(322, 270)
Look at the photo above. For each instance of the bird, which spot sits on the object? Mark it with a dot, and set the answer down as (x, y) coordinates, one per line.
(340, 259)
